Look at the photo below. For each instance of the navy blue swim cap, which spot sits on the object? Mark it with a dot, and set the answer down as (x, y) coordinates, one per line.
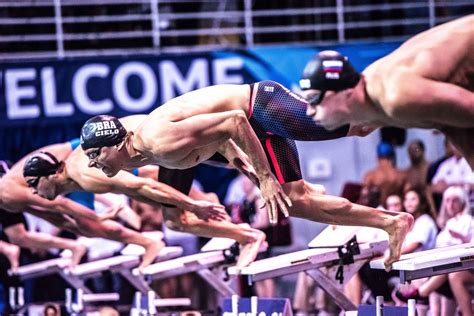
(328, 71)
(385, 150)
(102, 131)
(41, 164)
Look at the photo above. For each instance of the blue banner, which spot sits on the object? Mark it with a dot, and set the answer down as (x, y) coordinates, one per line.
(51, 99)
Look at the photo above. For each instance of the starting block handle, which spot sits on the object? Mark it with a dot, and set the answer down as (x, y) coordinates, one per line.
(379, 306)
(143, 304)
(16, 298)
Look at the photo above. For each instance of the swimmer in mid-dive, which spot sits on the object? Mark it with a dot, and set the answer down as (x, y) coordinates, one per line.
(254, 127)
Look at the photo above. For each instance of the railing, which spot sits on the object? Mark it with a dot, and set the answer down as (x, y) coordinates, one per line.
(64, 28)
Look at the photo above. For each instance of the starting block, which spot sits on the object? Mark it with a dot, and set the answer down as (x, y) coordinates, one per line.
(209, 264)
(81, 295)
(76, 301)
(341, 260)
(122, 264)
(217, 252)
(432, 262)
(16, 298)
(40, 269)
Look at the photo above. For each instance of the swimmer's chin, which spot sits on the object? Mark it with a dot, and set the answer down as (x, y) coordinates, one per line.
(329, 127)
(323, 123)
(109, 172)
(47, 197)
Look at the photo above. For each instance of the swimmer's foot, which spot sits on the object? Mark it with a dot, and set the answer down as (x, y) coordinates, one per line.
(397, 232)
(12, 252)
(152, 249)
(77, 252)
(250, 249)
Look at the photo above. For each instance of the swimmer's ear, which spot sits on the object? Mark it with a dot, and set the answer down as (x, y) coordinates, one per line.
(126, 139)
(62, 165)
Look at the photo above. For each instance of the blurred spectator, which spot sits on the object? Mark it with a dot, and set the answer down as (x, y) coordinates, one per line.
(385, 176)
(434, 166)
(370, 196)
(453, 171)
(422, 236)
(461, 283)
(51, 310)
(415, 175)
(108, 311)
(393, 203)
(457, 224)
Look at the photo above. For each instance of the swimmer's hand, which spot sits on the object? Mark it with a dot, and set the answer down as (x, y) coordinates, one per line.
(274, 197)
(207, 210)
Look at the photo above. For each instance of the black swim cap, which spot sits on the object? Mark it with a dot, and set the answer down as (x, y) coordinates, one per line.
(102, 131)
(329, 70)
(41, 164)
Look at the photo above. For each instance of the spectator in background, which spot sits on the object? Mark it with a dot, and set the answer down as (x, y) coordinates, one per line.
(434, 166)
(385, 176)
(108, 311)
(394, 203)
(461, 283)
(456, 222)
(422, 236)
(51, 310)
(453, 171)
(415, 175)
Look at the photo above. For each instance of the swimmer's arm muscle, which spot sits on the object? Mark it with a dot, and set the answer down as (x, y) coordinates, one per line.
(62, 205)
(150, 191)
(440, 103)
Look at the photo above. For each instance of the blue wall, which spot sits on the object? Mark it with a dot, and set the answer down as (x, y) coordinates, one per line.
(43, 102)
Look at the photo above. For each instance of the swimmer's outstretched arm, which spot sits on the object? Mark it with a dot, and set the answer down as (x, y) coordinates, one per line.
(59, 220)
(205, 129)
(445, 104)
(154, 192)
(62, 205)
